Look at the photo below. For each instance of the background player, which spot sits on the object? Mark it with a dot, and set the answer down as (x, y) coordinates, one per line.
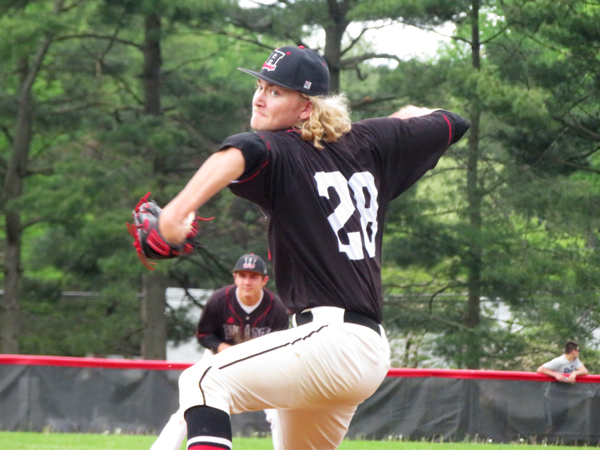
(242, 311)
(234, 314)
(325, 185)
(566, 367)
(558, 396)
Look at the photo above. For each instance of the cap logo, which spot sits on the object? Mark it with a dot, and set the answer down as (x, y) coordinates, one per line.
(249, 263)
(271, 63)
(307, 84)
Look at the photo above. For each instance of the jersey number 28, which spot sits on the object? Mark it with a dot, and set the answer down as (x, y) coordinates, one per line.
(358, 183)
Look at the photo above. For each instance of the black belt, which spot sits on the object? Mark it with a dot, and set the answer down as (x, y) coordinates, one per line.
(349, 317)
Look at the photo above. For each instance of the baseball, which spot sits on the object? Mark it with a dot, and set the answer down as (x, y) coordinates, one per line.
(188, 221)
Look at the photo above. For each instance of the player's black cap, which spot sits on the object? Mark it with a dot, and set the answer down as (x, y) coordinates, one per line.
(296, 68)
(251, 263)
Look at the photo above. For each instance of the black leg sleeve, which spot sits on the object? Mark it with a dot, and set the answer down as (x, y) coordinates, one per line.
(207, 423)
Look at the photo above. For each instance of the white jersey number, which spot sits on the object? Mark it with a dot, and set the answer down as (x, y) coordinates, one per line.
(367, 208)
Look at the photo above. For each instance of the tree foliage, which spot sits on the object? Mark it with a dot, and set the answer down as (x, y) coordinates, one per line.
(508, 218)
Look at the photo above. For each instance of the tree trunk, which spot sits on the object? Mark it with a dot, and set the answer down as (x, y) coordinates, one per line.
(473, 261)
(154, 345)
(154, 285)
(152, 65)
(12, 189)
(12, 285)
(474, 256)
(333, 55)
(334, 32)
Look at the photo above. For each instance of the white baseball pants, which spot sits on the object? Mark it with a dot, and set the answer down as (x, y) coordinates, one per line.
(315, 375)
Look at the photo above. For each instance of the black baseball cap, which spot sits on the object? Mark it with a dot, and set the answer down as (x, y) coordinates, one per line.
(251, 263)
(296, 68)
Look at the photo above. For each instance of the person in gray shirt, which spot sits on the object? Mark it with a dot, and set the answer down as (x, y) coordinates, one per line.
(560, 397)
(566, 367)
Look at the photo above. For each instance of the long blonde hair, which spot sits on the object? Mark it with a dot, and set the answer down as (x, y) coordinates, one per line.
(329, 119)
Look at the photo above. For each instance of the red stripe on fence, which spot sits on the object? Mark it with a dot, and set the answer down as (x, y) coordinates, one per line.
(106, 363)
(481, 375)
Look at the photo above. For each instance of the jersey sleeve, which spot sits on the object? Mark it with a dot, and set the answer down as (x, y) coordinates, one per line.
(253, 149)
(411, 147)
(208, 326)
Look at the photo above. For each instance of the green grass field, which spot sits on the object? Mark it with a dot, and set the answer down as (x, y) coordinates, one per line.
(68, 441)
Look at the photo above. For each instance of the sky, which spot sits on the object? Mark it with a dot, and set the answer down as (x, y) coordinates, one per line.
(403, 41)
(408, 42)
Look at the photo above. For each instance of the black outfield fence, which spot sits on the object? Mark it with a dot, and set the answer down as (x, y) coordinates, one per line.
(135, 396)
(459, 405)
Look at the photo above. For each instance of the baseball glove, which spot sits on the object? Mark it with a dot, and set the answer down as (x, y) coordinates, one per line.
(148, 241)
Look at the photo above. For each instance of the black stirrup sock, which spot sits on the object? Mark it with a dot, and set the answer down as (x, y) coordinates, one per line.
(208, 428)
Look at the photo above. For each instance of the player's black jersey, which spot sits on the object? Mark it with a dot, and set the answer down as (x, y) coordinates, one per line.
(224, 320)
(327, 207)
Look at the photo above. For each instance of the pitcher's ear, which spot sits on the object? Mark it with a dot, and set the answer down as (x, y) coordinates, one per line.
(306, 111)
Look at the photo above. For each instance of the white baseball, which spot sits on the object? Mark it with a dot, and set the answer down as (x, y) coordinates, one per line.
(188, 221)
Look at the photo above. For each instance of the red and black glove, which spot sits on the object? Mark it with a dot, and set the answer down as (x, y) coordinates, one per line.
(148, 241)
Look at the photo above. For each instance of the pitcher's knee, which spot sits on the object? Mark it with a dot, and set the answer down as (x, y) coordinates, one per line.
(188, 377)
(203, 386)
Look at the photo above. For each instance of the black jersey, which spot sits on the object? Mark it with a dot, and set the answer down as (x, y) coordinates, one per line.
(224, 320)
(326, 208)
